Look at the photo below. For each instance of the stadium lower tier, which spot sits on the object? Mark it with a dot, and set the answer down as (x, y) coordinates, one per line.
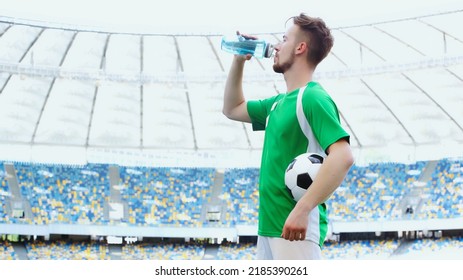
(446, 248)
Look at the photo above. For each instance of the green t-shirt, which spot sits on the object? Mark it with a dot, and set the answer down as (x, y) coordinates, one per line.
(284, 140)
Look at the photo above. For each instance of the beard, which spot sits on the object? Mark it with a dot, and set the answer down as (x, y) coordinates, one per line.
(284, 66)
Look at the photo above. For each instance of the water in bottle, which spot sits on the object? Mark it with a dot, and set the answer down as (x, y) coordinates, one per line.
(240, 45)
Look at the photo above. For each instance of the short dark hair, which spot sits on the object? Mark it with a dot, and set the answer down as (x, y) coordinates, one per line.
(319, 36)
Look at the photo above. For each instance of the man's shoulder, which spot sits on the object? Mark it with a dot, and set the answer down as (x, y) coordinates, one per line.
(314, 91)
(316, 87)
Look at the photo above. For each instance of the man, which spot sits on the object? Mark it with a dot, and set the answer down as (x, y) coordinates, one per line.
(290, 230)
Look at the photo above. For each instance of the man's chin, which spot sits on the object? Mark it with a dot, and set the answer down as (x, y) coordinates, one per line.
(277, 69)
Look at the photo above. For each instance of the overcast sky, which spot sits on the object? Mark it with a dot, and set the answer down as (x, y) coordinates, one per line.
(216, 16)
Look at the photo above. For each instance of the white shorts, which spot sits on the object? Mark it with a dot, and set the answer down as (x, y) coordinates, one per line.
(275, 248)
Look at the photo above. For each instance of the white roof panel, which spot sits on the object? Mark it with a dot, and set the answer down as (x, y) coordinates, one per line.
(418, 113)
(16, 41)
(213, 129)
(166, 118)
(123, 54)
(66, 117)
(160, 55)
(50, 48)
(370, 120)
(116, 116)
(86, 51)
(197, 55)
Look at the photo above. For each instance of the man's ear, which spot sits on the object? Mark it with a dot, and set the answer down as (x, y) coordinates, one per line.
(301, 47)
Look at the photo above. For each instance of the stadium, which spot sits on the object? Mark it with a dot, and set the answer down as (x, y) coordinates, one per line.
(113, 144)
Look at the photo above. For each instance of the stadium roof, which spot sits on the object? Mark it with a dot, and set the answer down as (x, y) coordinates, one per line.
(74, 94)
(210, 16)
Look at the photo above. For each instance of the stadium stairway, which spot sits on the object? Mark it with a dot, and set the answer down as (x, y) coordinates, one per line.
(115, 197)
(20, 250)
(114, 180)
(211, 251)
(413, 200)
(115, 251)
(426, 176)
(12, 180)
(403, 248)
(18, 207)
(218, 184)
(214, 209)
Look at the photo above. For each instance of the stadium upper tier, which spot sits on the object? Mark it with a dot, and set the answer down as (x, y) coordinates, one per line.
(104, 97)
(179, 197)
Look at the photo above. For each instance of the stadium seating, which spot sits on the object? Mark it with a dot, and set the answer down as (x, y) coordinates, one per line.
(62, 250)
(6, 251)
(4, 194)
(445, 191)
(426, 248)
(163, 251)
(446, 248)
(240, 192)
(373, 192)
(237, 251)
(166, 196)
(64, 194)
(176, 196)
(360, 249)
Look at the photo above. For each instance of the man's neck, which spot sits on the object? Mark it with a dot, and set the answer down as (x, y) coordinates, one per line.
(297, 78)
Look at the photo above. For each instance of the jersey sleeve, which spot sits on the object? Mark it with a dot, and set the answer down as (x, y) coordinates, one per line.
(259, 110)
(323, 116)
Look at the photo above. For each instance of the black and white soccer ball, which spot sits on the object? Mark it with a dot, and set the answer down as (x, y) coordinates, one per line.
(301, 172)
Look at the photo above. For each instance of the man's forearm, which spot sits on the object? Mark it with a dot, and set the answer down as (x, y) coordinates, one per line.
(234, 101)
(331, 174)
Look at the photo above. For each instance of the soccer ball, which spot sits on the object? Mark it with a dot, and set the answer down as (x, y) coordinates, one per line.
(301, 172)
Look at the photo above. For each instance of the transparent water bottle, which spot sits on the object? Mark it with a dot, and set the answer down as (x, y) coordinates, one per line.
(240, 45)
